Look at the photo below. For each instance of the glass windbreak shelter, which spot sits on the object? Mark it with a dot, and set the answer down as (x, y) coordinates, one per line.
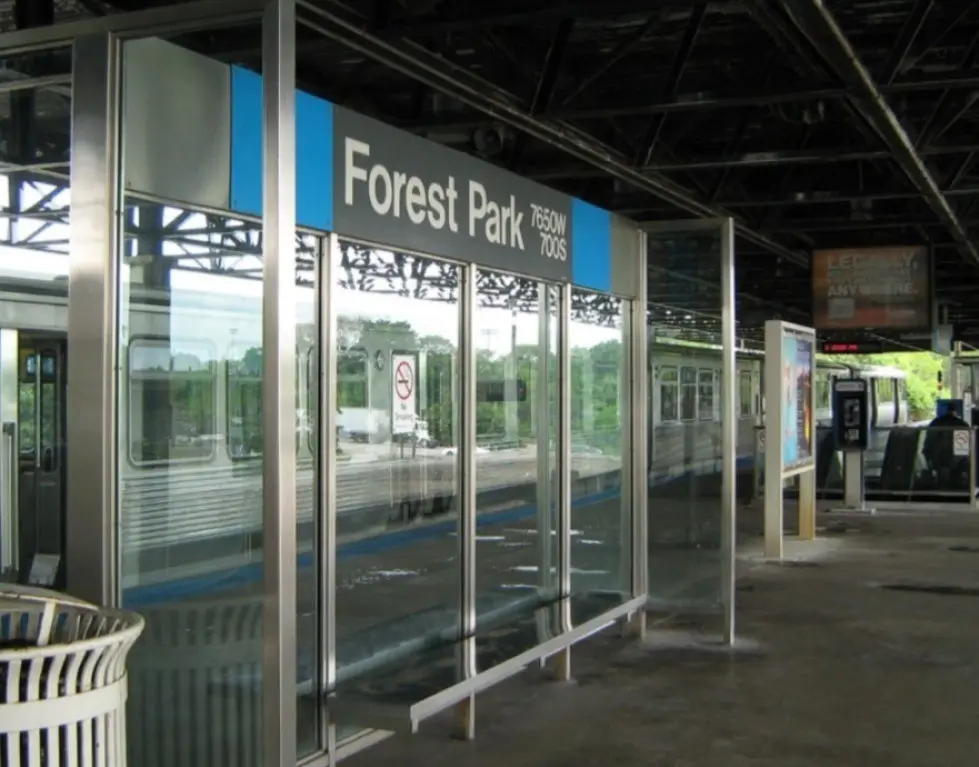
(359, 424)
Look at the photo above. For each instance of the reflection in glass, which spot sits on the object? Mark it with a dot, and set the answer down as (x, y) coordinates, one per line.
(397, 502)
(515, 336)
(190, 462)
(685, 448)
(35, 145)
(601, 531)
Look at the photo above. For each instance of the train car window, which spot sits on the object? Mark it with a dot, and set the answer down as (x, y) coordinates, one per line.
(885, 390)
(705, 394)
(244, 384)
(352, 386)
(688, 394)
(745, 393)
(823, 391)
(669, 390)
(171, 401)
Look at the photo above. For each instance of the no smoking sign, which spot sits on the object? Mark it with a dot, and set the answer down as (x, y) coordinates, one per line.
(403, 377)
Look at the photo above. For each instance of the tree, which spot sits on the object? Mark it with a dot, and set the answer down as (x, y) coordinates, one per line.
(922, 370)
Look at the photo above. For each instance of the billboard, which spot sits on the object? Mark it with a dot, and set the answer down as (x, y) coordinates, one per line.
(887, 288)
(797, 417)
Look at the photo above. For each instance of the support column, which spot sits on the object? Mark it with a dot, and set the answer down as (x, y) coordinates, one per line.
(90, 556)
(510, 404)
(729, 429)
(279, 383)
(546, 469)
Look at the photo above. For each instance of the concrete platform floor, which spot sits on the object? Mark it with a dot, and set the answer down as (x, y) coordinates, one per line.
(832, 669)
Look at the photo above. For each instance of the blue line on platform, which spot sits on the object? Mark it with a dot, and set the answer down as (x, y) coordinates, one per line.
(195, 586)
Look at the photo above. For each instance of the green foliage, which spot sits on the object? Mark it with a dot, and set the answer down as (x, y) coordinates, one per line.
(922, 369)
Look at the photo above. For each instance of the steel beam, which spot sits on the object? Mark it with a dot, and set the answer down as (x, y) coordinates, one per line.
(520, 13)
(800, 156)
(939, 38)
(837, 198)
(680, 59)
(842, 225)
(621, 50)
(815, 21)
(335, 21)
(692, 102)
(546, 82)
(948, 109)
(905, 39)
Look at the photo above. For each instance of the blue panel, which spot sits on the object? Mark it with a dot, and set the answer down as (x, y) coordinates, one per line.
(246, 142)
(314, 156)
(314, 152)
(591, 246)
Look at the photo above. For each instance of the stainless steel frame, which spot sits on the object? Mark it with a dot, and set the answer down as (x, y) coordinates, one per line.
(9, 452)
(400, 718)
(93, 303)
(93, 312)
(326, 510)
(466, 455)
(545, 471)
(185, 16)
(729, 413)
(640, 414)
(279, 383)
(640, 430)
(729, 430)
(564, 456)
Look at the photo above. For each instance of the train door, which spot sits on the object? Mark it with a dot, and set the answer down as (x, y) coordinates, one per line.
(32, 455)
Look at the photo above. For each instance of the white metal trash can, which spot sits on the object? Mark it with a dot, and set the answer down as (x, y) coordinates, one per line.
(62, 680)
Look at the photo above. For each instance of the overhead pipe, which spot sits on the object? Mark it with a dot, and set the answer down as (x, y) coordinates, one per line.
(815, 21)
(336, 21)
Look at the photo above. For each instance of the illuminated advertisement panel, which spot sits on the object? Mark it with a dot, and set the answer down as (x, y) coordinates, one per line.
(856, 288)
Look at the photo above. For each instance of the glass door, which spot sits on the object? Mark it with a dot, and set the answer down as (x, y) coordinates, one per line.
(32, 457)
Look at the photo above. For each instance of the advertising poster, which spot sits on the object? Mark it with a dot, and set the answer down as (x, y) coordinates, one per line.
(859, 288)
(797, 420)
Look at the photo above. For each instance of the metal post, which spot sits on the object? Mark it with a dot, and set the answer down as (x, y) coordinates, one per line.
(972, 468)
(467, 493)
(545, 470)
(853, 479)
(640, 424)
(627, 441)
(279, 382)
(91, 557)
(564, 453)
(327, 476)
(729, 428)
(773, 441)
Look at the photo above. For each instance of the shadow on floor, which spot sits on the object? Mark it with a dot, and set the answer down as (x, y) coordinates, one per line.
(867, 658)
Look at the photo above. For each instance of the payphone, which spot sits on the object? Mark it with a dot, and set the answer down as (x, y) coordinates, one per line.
(851, 430)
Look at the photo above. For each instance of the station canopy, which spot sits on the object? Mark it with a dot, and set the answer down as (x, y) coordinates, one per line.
(817, 125)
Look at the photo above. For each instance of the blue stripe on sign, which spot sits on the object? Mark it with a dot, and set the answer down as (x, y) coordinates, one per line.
(314, 152)
(591, 246)
(246, 142)
(314, 158)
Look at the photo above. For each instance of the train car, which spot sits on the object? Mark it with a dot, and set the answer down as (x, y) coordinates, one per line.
(685, 407)
(888, 392)
(189, 429)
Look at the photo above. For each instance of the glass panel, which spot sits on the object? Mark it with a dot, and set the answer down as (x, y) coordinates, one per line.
(398, 571)
(601, 529)
(190, 460)
(515, 334)
(685, 456)
(35, 146)
(309, 581)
